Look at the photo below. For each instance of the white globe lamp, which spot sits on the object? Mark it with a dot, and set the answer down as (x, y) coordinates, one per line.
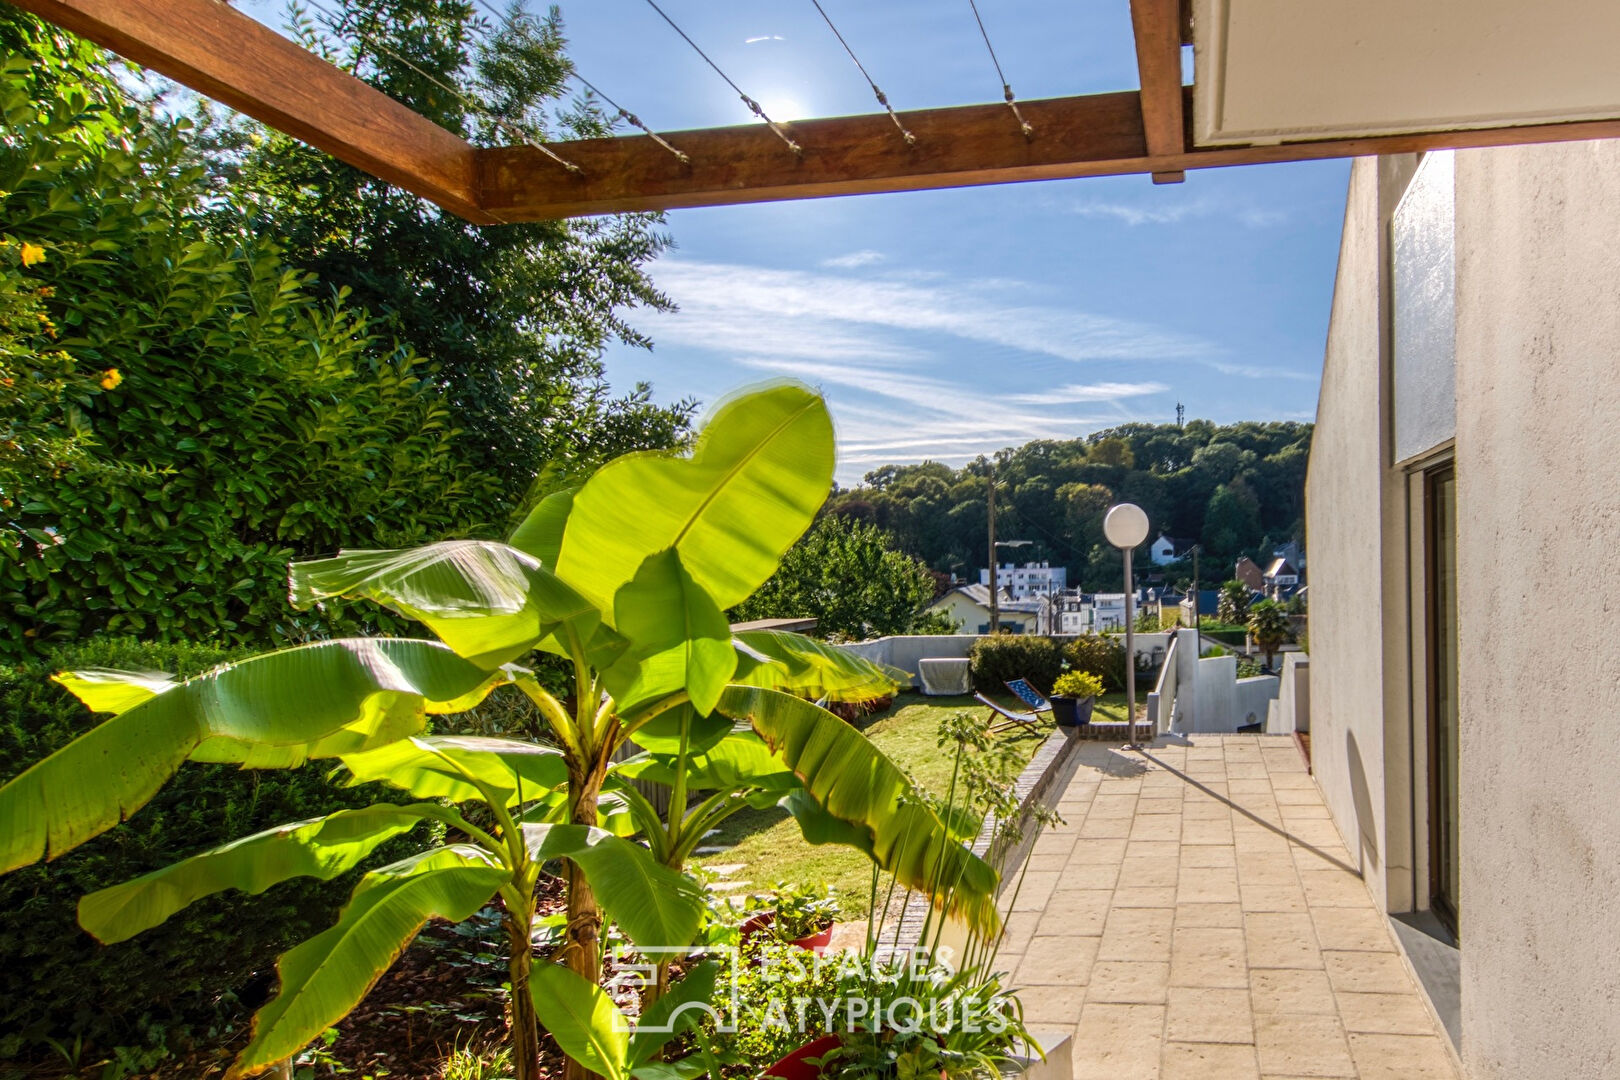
(1126, 527)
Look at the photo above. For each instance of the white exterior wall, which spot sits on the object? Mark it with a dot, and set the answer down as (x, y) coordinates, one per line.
(1537, 459)
(1357, 592)
(1538, 496)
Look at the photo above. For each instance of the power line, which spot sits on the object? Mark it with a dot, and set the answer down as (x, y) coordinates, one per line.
(477, 107)
(753, 106)
(1006, 87)
(911, 140)
(624, 114)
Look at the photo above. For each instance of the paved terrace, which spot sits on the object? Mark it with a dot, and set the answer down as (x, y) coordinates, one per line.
(1198, 916)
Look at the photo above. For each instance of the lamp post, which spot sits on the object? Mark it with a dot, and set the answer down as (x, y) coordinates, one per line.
(995, 601)
(1126, 526)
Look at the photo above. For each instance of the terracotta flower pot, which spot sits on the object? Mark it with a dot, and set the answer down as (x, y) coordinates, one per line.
(797, 1066)
(761, 923)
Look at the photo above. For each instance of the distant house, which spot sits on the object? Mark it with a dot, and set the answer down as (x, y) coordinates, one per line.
(1168, 549)
(1281, 579)
(1292, 552)
(1206, 600)
(969, 607)
(1249, 572)
(1031, 579)
(1108, 611)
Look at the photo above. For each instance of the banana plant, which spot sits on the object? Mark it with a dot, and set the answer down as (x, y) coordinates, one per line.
(626, 579)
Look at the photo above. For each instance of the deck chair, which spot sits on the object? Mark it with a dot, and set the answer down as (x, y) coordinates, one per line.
(1025, 691)
(1009, 719)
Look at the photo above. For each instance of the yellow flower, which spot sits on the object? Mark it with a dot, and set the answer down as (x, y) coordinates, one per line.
(32, 253)
(110, 379)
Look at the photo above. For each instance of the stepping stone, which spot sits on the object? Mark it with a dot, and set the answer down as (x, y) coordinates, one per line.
(725, 886)
(712, 850)
(724, 868)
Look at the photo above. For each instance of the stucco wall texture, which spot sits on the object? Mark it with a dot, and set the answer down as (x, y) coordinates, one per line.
(1538, 548)
(1343, 499)
(1537, 456)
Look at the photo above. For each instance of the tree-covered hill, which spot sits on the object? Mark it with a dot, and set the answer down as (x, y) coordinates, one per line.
(1237, 489)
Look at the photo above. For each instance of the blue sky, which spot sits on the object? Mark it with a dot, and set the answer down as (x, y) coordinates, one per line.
(947, 324)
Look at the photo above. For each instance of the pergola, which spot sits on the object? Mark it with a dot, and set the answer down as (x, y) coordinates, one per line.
(1266, 100)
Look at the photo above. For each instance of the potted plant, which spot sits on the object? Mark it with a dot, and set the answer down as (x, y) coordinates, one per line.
(793, 915)
(1073, 695)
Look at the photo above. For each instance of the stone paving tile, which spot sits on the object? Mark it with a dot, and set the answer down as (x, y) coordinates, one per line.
(1129, 982)
(1303, 1045)
(1119, 1042)
(1367, 973)
(1209, 1014)
(1147, 873)
(1208, 1061)
(1199, 916)
(1057, 960)
(1292, 991)
(1137, 934)
(1400, 1057)
(1385, 1014)
(1209, 855)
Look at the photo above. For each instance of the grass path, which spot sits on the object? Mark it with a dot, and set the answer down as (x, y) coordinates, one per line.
(767, 843)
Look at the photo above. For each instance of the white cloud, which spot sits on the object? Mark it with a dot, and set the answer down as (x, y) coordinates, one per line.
(1075, 393)
(1257, 371)
(853, 260)
(888, 352)
(814, 315)
(1170, 213)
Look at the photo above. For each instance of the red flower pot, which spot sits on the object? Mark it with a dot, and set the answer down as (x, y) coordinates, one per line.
(797, 1065)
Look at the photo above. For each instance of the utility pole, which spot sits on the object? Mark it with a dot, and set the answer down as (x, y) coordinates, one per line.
(1198, 616)
(995, 602)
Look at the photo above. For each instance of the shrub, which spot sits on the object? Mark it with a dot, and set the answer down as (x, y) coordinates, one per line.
(1077, 684)
(1001, 658)
(1103, 655)
(208, 414)
(1247, 668)
(55, 979)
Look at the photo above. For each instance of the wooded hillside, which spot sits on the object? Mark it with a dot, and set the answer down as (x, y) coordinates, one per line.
(1237, 489)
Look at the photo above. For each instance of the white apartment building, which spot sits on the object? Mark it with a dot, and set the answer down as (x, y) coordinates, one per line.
(1030, 580)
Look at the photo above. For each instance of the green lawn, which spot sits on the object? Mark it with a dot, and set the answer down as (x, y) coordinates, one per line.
(768, 844)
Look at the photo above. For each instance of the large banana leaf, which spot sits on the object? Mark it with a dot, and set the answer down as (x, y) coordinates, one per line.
(682, 1006)
(294, 698)
(760, 469)
(663, 733)
(778, 660)
(653, 905)
(107, 690)
(739, 760)
(326, 976)
(489, 602)
(541, 532)
(853, 781)
(320, 847)
(679, 637)
(583, 1019)
(462, 768)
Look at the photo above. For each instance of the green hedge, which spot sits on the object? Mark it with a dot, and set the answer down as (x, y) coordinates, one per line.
(1001, 658)
(1102, 655)
(189, 973)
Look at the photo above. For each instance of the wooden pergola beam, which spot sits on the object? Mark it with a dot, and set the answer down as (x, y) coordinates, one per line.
(1158, 29)
(1094, 135)
(220, 52)
(217, 51)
